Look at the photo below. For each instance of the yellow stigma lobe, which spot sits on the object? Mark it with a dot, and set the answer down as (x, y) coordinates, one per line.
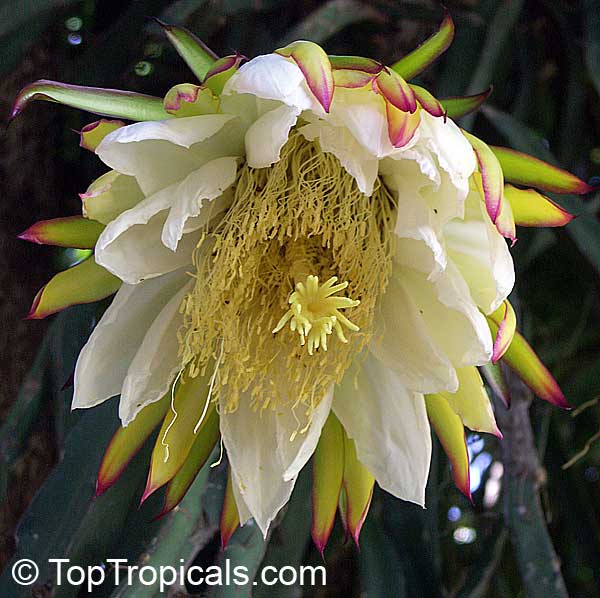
(314, 313)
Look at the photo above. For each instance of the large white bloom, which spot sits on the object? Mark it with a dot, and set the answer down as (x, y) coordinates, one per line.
(449, 267)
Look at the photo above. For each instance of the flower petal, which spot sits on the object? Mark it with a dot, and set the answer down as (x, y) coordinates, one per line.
(156, 361)
(273, 77)
(481, 255)
(268, 134)
(98, 375)
(389, 426)
(402, 343)
(130, 246)
(454, 323)
(201, 187)
(267, 450)
(157, 153)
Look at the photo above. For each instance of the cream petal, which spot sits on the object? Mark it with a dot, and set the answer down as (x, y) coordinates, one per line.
(130, 247)
(273, 77)
(263, 457)
(103, 362)
(157, 153)
(453, 321)
(352, 156)
(389, 426)
(454, 153)
(403, 343)
(156, 362)
(195, 195)
(266, 136)
(481, 254)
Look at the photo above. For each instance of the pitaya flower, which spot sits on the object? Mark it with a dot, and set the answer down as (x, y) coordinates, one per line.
(309, 258)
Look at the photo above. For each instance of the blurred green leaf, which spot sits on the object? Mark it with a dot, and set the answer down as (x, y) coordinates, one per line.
(591, 19)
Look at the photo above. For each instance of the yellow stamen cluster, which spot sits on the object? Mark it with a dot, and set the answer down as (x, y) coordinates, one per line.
(290, 225)
(314, 312)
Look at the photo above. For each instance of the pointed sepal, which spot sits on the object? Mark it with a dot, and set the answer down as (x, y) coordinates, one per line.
(492, 179)
(126, 443)
(72, 231)
(396, 91)
(531, 208)
(105, 102)
(430, 50)
(328, 470)
(187, 99)
(457, 107)
(522, 359)
(184, 422)
(91, 135)
(503, 325)
(428, 101)
(505, 223)
(402, 126)
(196, 54)
(84, 283)
(496, 381)
(528, 171)
(471, 402)
(195, 461)
(221, 71)
(230, 518)
(451, 434)
(356, 63)
(356, 492)
(314, 64)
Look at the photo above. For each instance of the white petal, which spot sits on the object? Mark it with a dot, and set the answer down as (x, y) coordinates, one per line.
(266, 137)
(157, 153)
(103, 362)
(130, 247)
(362, 112)
(264, 460)
(482, 255)
(352, 156)
(156, 362)
(389, 426)
(454, 153)
(197, 189)
(453, 321)
(403, 343)
(273, 77)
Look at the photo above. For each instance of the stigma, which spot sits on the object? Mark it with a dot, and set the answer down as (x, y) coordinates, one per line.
(315, 312)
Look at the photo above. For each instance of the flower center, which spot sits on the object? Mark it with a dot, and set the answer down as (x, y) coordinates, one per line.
(290, 226)
(314, 312)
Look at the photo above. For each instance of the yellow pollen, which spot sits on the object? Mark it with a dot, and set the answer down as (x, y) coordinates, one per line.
(314, 312)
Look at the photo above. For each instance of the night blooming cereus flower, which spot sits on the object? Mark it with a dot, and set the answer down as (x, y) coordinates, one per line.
(310, 260)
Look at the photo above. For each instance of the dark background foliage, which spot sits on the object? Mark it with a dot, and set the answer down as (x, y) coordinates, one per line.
(543, 58)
